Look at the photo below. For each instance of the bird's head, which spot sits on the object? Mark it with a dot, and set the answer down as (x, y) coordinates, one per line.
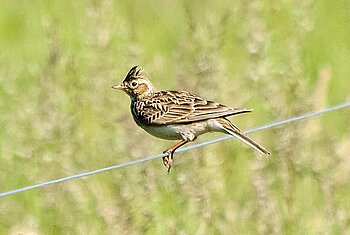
(136, 84)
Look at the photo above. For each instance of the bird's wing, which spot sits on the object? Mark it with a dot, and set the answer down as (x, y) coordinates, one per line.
(175, 107)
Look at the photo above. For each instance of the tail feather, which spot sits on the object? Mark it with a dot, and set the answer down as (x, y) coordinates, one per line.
(236, 132)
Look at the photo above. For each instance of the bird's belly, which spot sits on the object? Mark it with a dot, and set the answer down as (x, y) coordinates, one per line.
(164, 132)
(187, 132)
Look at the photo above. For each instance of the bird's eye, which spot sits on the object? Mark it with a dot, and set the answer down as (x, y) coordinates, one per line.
(134, 84)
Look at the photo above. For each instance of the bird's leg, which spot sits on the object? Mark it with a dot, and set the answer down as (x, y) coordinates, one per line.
(168, 160)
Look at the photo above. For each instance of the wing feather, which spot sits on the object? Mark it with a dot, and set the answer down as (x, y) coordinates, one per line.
(175, 107)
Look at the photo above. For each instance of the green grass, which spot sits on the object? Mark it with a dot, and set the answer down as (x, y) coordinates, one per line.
(58, 116)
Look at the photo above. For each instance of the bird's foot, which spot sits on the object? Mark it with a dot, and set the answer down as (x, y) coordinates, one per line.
(168, 160)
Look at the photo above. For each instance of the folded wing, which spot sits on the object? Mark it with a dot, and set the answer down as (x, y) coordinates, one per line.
(176, 107)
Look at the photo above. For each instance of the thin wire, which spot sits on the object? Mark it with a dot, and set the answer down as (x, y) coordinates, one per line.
(194, 146)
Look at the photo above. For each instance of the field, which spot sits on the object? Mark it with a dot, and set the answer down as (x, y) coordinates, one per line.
(59, 116)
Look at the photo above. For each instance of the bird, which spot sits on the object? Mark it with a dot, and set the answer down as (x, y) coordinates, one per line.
(178, 115)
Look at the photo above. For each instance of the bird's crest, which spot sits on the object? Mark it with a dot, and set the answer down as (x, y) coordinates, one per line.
(135, 71)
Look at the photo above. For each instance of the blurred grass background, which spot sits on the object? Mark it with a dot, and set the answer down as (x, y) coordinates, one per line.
(58, 116)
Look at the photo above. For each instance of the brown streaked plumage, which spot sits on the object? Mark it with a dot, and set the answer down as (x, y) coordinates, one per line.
(178, 115)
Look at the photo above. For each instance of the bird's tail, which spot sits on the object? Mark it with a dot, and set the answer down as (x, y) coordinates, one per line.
(236, 132)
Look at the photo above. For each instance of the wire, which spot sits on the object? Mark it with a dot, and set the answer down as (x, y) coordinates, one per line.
(194, 146)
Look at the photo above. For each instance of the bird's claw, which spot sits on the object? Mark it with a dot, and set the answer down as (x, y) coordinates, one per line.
(168, 160)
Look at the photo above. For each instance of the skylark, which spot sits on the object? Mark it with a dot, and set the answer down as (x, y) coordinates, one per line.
(178, 115)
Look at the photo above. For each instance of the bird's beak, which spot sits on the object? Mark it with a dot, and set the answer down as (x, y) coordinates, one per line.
(119, 87)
